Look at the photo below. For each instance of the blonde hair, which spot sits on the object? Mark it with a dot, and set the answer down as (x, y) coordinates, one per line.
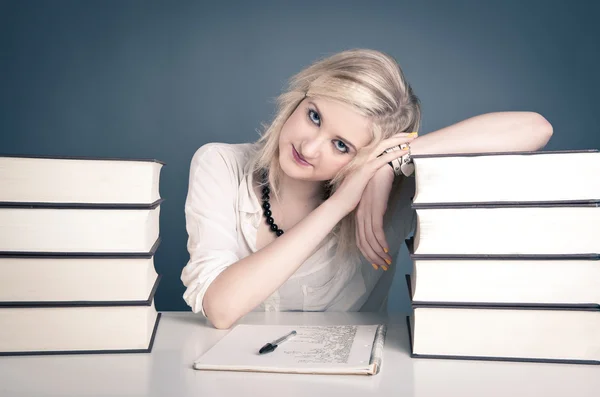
(370, 81)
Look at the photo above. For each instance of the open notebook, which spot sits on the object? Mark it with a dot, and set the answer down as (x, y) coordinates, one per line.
(337, 349)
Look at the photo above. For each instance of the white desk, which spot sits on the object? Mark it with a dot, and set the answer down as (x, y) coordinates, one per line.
(182, 337)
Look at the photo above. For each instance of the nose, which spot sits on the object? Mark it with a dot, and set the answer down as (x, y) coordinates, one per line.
(311, 146)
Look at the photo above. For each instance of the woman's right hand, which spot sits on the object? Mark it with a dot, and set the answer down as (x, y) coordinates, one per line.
(350, 191)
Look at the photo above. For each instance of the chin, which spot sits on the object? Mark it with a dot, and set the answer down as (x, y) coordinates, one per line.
(292, 170)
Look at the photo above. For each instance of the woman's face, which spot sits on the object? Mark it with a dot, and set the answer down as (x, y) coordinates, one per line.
(320, 138)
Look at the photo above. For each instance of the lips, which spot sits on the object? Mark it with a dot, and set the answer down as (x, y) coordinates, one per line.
(299, 159)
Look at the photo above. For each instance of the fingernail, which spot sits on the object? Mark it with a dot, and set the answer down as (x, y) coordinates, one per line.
(384, 268)
(413, 134)
(386, 250)
(375, 266)
(389, 262)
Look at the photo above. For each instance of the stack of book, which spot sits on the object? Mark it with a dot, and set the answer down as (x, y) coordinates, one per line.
(506, 257)
(77, 244)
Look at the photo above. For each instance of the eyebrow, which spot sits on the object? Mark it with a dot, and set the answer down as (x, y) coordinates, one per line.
(337, 136)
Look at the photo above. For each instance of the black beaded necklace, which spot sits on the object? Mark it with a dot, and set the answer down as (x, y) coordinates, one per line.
(267, 206)
(267, 212)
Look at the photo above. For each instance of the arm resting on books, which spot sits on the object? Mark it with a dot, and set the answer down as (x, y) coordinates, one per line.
(491, 132)
(225, 287)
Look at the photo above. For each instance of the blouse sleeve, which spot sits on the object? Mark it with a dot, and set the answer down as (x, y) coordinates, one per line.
(210, 213)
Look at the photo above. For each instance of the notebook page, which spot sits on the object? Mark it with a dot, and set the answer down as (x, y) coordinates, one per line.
(327, 349)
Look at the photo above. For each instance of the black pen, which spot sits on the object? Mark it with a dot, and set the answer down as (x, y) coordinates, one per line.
(269, 347)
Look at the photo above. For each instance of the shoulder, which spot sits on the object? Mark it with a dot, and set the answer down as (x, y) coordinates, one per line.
(216, 173)
(223, 157)
(223, 152)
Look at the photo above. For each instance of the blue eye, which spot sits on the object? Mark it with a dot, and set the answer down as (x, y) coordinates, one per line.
(314, 117)
(341, 146)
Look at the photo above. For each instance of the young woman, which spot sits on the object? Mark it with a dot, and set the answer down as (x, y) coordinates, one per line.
(310, 217)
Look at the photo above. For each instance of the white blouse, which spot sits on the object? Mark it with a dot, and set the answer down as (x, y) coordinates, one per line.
(222, 218)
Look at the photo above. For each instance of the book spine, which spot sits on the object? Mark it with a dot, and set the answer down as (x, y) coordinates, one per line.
(377, 350)
(66, 304)
(82, 206)
(517, 153)
(507, 257)
(82, 255)
(507, 204)
(84, 158)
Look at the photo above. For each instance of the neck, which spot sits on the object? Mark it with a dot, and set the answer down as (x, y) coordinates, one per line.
(294, 190)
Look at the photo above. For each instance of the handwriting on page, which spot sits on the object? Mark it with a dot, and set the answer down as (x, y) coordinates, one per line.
(322, 344)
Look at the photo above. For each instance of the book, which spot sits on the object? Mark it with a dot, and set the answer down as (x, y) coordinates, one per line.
(77, 329)
(506, 281)
(335, 349)
(490, 229)
(541, 176)
(68, 280)
(507, 334)
(77, 230)
(474, 378)
(77, 244)
(46, 179)
(506, 257)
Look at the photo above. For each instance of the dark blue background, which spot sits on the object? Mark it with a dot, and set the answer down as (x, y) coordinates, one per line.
(157, 79)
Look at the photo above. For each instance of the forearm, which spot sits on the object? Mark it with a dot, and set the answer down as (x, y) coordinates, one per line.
(248, 282)
(491, 132)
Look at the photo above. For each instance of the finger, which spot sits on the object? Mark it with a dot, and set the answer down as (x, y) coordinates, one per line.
(370, 233)
(399, 134)
(360, 245)
(362, 242)
(385, 158)
(394, 140)
(374, 228)
(373, 243)
(370, 254)
(364, 248)
(377, 224)
(356, 235)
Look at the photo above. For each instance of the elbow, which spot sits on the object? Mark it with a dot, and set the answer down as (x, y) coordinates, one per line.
(219, 313)
(221, 322)
(540, 131)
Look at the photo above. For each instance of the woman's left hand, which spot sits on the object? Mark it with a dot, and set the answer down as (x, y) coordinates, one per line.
(370, 237)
